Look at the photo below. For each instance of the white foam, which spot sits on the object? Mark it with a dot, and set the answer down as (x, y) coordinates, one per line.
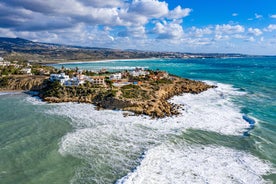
(34, 100)
(107, 61)
(124, 67)
(9, 93)
(185, 164)
(207, 111)
(212, 110)
(108, 138)
(3, 93)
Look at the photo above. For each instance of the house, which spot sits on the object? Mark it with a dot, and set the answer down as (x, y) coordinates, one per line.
(98, 80)
(43, 72)
(62, 78)
(116, 76)
(26, 71)
(159, 75)
(5, 63)
(162, 75)
(139, 72)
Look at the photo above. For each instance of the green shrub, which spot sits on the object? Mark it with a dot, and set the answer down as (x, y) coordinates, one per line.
(4, 81)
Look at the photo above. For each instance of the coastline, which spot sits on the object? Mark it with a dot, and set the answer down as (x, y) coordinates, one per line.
(213, 117)
(149, 97)
(94, 61)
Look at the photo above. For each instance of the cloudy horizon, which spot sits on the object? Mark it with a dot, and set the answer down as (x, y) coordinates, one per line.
(218, 26)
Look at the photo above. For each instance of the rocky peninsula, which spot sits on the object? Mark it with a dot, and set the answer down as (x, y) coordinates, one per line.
(147, 95)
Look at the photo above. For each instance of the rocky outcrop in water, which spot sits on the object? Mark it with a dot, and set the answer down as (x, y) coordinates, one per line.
(149, 98)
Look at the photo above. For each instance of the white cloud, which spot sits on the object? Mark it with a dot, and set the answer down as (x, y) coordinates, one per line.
(7, 33)
(178, 12)
(149, 8)
(111, 37)
(200, 32)
(221, 37)
(137, 32)
(250, 39)
(229, 29)
(197, 41)
(257, 16)
(270, 28)
(103, 4)
(171, 30)
(255, 31)
(238, 36)
(140, 24)
(134, 32)
(107, 28)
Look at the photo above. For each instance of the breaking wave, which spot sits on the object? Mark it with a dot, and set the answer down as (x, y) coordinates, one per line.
(112, 145)
(197, 164)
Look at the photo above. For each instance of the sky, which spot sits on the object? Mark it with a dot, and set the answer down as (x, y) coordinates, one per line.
(205, 26)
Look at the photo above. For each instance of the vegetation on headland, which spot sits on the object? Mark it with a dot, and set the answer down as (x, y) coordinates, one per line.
(143, 94)
(146, 94)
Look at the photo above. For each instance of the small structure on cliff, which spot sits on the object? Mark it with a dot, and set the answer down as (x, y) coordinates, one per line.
(139, 72)
(27, 71)
(5, 63)
(62, 78)
(98, 80)
(115, 76)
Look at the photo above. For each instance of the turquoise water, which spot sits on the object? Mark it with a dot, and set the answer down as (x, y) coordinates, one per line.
(211, 142)
(29, 143)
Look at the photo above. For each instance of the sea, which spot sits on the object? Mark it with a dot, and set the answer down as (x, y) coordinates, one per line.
(223, 135)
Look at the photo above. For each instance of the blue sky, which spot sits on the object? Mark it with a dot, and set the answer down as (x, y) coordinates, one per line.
(224, 26)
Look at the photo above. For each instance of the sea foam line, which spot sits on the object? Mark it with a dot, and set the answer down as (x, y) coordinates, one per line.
(197, 164)
(108, 138)
(10, 93)
(106, 61)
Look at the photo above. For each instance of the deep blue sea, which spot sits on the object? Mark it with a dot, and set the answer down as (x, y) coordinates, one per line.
(224, 135)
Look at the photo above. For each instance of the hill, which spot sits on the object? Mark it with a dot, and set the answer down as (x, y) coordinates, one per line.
(22, 49)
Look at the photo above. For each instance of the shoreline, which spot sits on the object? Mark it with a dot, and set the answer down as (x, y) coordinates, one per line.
(150, 97)
(93, 61)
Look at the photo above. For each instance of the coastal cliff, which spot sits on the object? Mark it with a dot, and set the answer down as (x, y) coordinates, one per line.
(23, 82)
(150, 97)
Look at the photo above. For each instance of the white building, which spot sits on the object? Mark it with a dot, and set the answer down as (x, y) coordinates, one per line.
(1, 59)
(5, 63)
(26, 71)
(72, 82)
(116, 76)
(139, 72)
(62, 78)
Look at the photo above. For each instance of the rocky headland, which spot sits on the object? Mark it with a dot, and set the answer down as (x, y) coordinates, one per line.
(149, 98)
(23, 83)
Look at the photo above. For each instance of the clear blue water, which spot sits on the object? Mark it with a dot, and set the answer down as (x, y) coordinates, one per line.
(74, 143)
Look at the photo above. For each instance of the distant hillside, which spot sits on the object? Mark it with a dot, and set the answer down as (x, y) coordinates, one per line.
(22, 49)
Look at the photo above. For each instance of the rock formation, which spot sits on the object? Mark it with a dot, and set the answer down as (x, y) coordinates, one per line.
(149, 98)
